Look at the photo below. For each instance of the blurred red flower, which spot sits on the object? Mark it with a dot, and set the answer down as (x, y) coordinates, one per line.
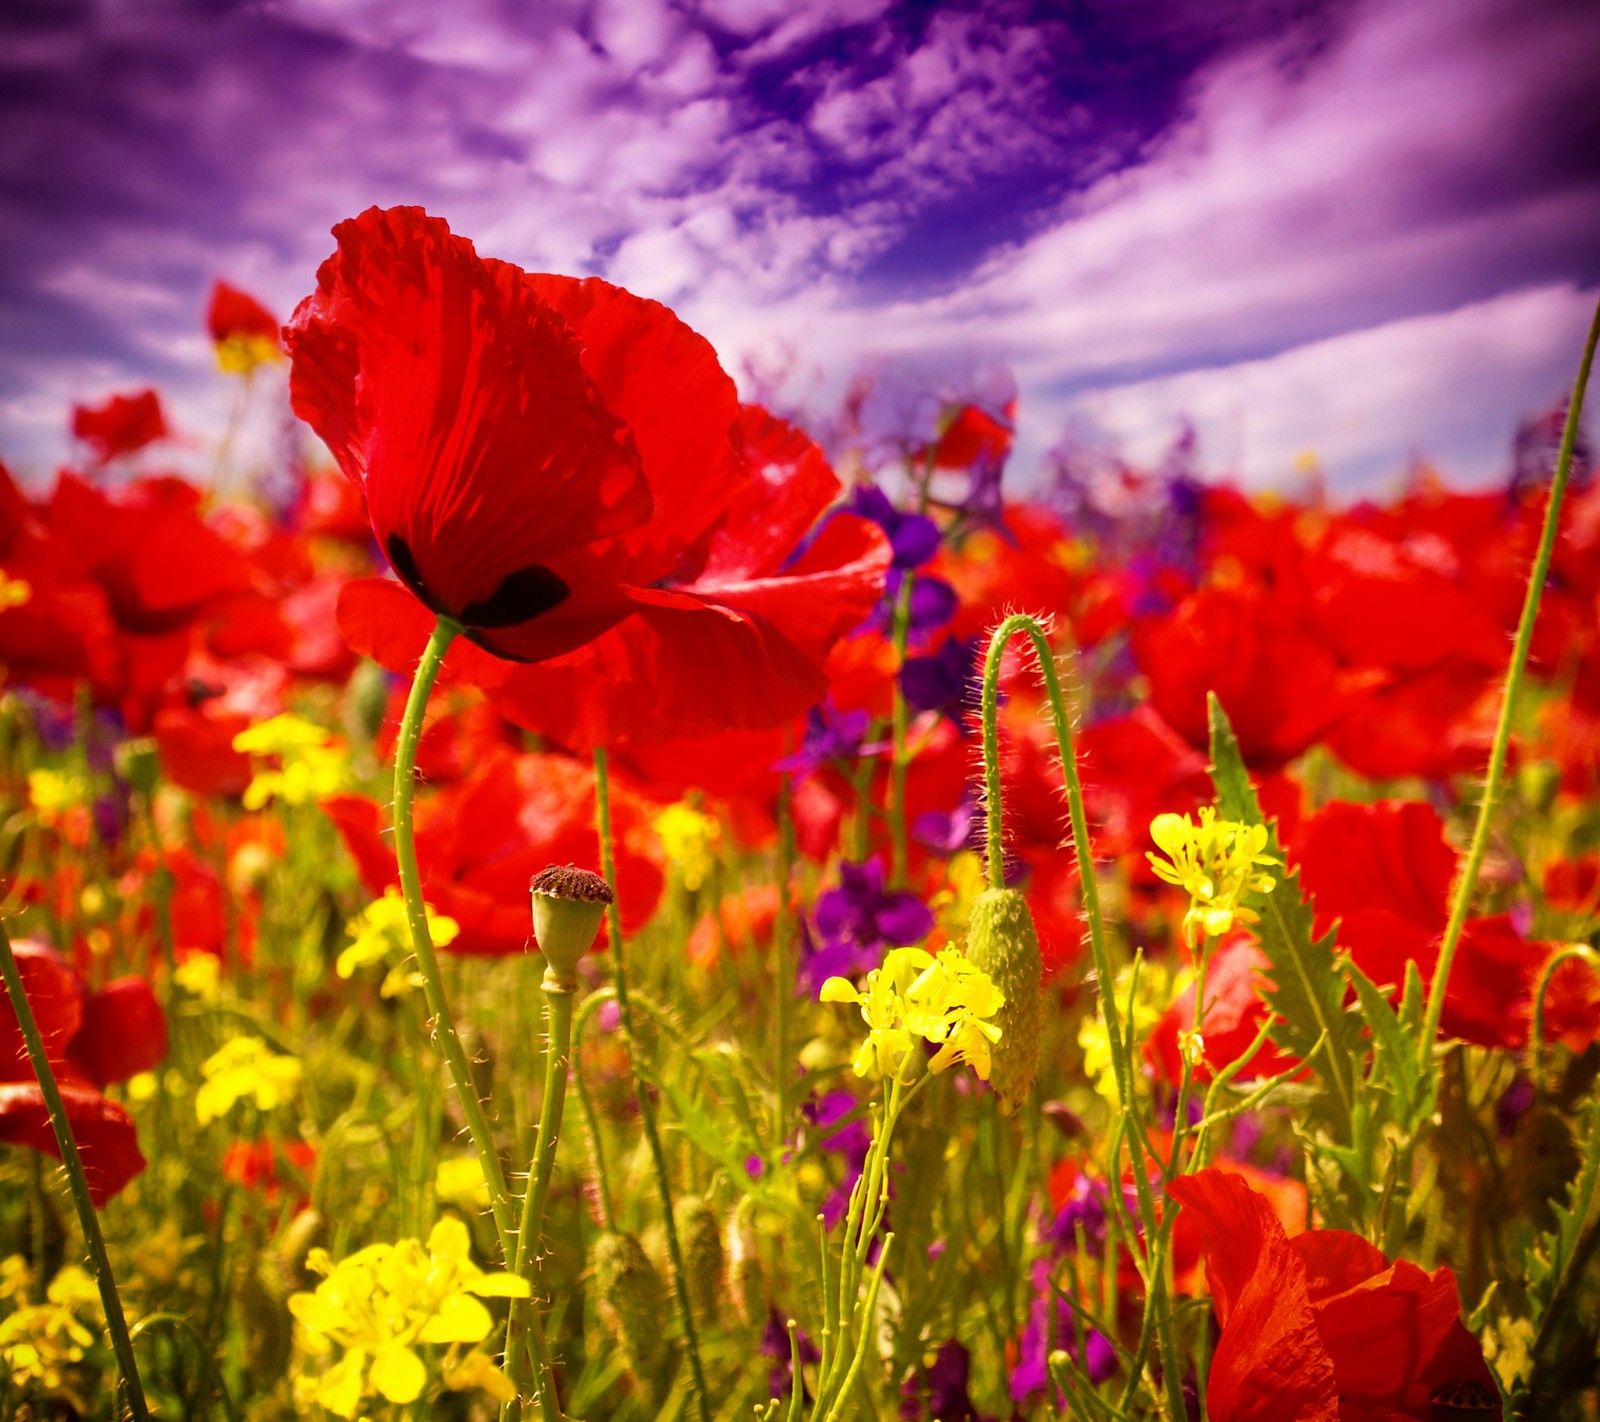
(91, 1040)
(1384, 872)
(245, 333)
(482, 839)
(121, 425)
(1321, 1327)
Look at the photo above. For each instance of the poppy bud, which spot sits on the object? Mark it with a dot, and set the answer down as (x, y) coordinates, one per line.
(632, 1302)
(568, 905)
(702, 1254)
(745, 1280)
(139, 765)
(1002, 942)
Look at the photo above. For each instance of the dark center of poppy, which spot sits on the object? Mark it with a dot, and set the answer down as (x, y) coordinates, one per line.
(1462, 1398)
(521, 596)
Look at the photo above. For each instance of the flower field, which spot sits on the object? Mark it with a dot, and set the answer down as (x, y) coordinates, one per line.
(561, 900)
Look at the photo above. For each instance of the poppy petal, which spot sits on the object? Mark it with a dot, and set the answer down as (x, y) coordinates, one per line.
(1270, 1362)
(124, 1032)
(455, 396)
(379, 619)
(107, 1141)
(664, 379)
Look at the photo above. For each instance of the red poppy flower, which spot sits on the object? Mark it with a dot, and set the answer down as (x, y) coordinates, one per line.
(741, 921)
(1384, 872)
(481, 840)
(1321, 1327)
(535, 451)
(1234, 1012)
(89, 1038)
(1280, 685)
(736, 637)
(244, 331)
(123, 424)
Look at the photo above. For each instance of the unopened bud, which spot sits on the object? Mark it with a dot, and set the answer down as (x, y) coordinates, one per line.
(1002, 942)
(633, 1304)
(139, 763)
(746, 1282)
(701, 1240)
(568, 906)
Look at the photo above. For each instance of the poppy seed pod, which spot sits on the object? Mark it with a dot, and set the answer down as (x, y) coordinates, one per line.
(568, 905)
(1002, 942)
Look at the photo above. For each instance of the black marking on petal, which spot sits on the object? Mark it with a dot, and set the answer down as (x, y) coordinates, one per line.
(521, 596)
(405, 567)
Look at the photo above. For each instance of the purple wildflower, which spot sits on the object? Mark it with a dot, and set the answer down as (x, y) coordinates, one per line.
(943, 681)
(858, 920)
(941, 1390)
(1031, 1376)
(913, 537)
(831, 735)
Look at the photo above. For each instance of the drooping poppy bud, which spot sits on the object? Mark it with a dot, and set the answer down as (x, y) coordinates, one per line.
(568, 905)
(633, 1304)
(1002, 942)
(702, 1254)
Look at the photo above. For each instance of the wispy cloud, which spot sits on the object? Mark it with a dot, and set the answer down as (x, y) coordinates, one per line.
(1152, 201)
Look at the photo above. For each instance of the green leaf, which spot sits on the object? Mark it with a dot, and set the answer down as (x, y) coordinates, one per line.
(1396, 1066)
(1306, 991)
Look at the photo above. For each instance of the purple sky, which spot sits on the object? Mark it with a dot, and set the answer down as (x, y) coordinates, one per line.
(1353, 230)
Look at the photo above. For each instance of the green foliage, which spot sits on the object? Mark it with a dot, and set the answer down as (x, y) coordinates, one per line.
(1307, 990)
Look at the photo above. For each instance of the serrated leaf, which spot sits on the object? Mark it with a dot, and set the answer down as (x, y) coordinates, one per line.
(1395, 1066)
(1307, 988)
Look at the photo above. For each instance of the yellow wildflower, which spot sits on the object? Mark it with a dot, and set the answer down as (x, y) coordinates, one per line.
(200, 975)
(1094, 1041)
(458, 1180)
(379, 933)
(310, 765)
(41, 1343)
(53, 792)
(915, 995)
(245, 1069)
(690, 840)
(14, 592)
(952, 905)
(1215, 863)
(385, 1303)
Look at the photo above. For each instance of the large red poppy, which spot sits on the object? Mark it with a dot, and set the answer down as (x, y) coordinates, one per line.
(91, 1040)
(735, 637)
(535, 451)
(1321, 1327)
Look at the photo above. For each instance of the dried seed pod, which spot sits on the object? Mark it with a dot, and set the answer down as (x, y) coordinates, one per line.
(633, 1304)
(1001, 940)
(568, 906)
(701, 1240)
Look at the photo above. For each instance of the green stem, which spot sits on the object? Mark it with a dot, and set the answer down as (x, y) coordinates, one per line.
(1122, 1067)
(597, 1153)
(405, 848)
(783, 975)
(557, 1062)
(899, 762)
(77, 1181)
(647, 1110)
(1468, 882)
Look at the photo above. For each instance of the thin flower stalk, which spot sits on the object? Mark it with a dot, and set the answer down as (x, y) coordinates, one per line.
(647, 1115)
(77, 1181)
(994, 805)
(1494, 780)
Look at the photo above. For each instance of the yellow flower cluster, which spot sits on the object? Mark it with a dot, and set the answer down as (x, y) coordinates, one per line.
(1216, 864)
(310, 765)
(690, 840)
(379, 933)
(1156, 989)
(944, 999)
(40, 1344)
(53, 792)
(245, 1069)
(383, 1304)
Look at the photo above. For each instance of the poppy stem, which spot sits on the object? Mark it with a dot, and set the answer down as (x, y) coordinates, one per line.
(647, 1110)
(77, 1181)
(1540, 571)
(405, 849)
(1122, 1067)
(558, 994)
(899, 760)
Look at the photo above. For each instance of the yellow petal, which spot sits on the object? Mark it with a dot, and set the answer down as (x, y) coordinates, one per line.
(461, 1319)
(398, 1374)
